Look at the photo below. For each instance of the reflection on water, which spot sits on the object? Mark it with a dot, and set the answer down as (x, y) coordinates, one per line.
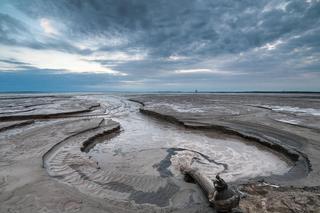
(147, 146)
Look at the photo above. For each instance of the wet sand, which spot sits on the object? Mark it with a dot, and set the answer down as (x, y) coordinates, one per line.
(98, 153)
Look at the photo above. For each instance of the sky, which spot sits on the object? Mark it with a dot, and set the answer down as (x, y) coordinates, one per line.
(159, 45)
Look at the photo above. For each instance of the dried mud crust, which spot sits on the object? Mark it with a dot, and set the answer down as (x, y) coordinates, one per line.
(262, 198)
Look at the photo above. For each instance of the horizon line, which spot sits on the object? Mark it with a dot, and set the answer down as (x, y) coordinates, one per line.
(163, 91)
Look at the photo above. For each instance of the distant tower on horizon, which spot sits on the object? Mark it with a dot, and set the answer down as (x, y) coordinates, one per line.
(196, 91)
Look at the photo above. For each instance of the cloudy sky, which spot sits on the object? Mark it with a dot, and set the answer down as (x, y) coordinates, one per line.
(159, 45)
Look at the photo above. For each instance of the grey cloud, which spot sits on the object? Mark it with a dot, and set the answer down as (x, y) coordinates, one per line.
(13, 61)
(10, 29)
(201, 30)
(198, 28)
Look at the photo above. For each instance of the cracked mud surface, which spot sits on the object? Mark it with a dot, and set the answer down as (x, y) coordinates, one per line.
(97, 153)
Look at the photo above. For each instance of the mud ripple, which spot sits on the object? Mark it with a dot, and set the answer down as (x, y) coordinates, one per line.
(68, 164)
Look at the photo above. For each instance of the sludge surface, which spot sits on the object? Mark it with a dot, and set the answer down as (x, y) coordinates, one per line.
(139, 167)
(142, 162)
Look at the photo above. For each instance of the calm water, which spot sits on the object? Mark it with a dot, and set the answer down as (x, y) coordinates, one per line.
(147, 146)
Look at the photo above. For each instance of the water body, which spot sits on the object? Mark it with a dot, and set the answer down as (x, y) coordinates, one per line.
(147, 146)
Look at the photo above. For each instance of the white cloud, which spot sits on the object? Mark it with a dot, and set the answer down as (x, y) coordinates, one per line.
(98, 41)
(203, 70)
(118, 56)
(176, 58)
(272, 45)
(51, 59)
(48, 27)
(275, 5)
(192, 70)
(208, 71)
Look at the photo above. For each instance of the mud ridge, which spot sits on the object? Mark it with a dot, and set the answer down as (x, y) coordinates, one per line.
(301, 161)
(35, 96)
(16, 125)
(89, 143)
(57, 145)
(68, 163)
(47, 116)
(139, 102)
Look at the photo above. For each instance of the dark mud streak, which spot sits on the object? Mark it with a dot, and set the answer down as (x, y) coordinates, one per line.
(136, 101)
(39, 104)
(163, 166)
(317, 130)
(260, 107)
(33, 97)
(46, 116)
(266, 133)
(18, 111)
(161, 197)
(91, 142)
(161, 116)
(44, 157)
(270, 109)
(302, 165)
(16, 125)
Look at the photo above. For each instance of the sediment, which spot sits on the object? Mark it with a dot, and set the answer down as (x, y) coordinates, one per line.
(247, 116)
(10, 125)
(44, 165)
(302, 165)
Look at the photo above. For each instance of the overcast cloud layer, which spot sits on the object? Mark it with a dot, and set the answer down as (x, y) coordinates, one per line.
(152, 45)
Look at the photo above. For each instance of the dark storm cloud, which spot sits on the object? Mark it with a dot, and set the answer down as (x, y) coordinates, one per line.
(257, 38)
(182, 27)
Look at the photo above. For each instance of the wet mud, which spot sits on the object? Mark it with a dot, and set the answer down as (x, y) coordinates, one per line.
(286, 123)
(99, 153)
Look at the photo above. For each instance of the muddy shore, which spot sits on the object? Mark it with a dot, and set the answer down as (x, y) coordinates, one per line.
(287, 123)
(45, 140)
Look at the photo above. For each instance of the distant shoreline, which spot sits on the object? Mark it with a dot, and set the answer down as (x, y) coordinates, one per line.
(165, 92)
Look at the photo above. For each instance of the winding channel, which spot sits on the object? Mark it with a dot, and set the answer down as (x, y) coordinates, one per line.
(139, 166)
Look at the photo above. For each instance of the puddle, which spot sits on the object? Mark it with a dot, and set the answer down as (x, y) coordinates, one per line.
(147, 146)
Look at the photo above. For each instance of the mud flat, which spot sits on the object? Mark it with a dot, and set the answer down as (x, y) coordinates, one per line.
(98, 153)
(23, 107)
(286, 123)
(33, 136)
